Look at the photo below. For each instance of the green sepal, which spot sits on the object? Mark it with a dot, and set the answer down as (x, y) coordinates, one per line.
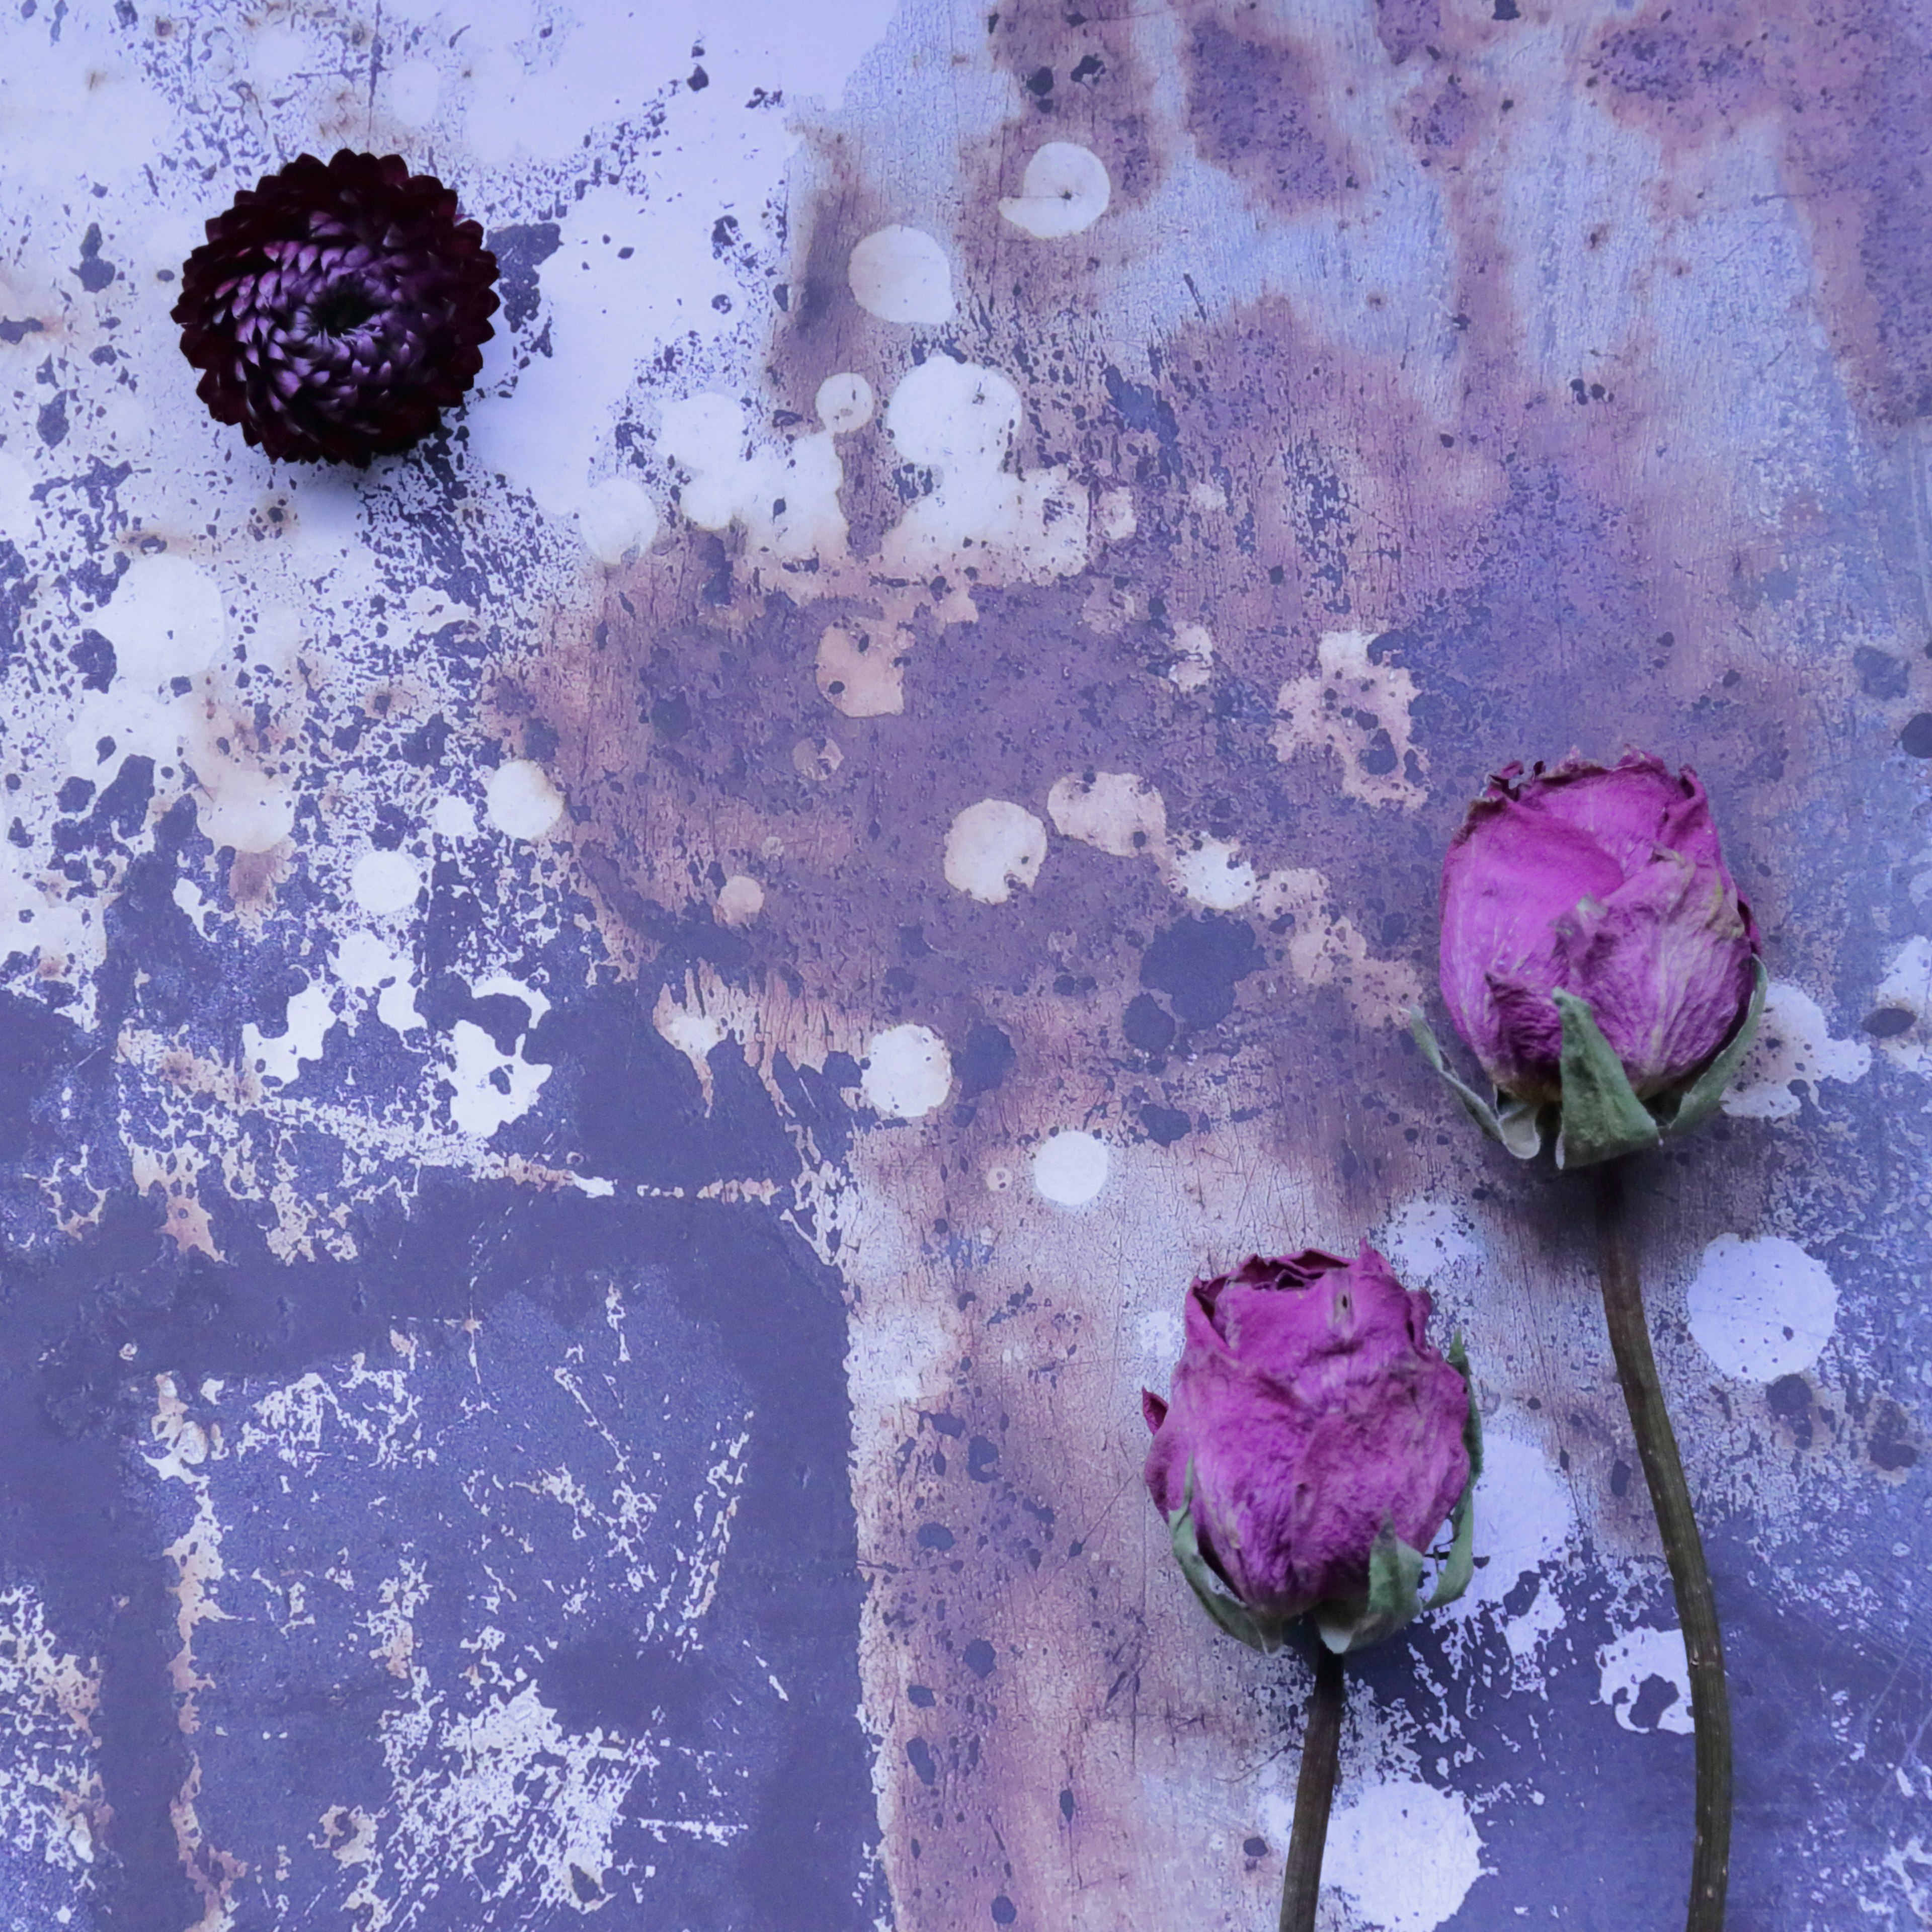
(1521, 1125)
(1602, 1116)
(1395, 1574)
(1501, 1125)
(1260, 1633)
(1461, 1565)
(1701, 1099)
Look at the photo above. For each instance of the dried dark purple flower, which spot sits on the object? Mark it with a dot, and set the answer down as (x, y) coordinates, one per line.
(336, 309)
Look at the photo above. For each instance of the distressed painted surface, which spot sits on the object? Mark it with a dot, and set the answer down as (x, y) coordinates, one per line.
(620, 1035)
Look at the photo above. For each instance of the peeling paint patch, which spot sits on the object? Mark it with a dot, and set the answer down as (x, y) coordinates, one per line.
(1359, 710)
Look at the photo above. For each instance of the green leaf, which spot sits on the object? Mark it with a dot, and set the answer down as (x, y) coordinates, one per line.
(1260, 1633)
(1461, 1566)
(1505, 1127)
(1701, 1099)
(1353, 1623)
(1602, 1116)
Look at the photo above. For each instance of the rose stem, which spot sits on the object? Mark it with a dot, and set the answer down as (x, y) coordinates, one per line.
(1683, 1548)
(1314, 1793)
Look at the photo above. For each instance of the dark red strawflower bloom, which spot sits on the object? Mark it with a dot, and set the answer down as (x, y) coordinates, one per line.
(335, 310)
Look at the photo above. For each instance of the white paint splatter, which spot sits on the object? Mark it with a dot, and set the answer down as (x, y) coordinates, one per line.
(1064, 191)
(1906, 990)
(844, 402)
(1115, 812)
(1193, 664)
(1359, 710)
(1424, 1239)
(1070, 1168)
(1761, 1309)
(365, 964)
(453, 817)
(618, 519)
(959, 421)
(992, 846)
(384, 883)
(901, 274)
(521, 799)
(166, 620)
(1794, 1048)
(740, 900)
(1159, 1332)
(1406, 1852)
(1326, 949)
(489, 1089)
(310, 1018)
(50, 1790)
(1210, 872)
(630, 270)
(1525, 1518)
(784, 494)
(861, 669)
(1624, 1666)
(908, 1073)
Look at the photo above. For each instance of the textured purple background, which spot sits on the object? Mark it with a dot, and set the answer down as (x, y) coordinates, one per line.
(526, 1397)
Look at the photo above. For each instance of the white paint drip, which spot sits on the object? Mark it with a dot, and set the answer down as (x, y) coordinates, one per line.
(1406, 1852)
(1761, 1309)
(908, 1073)
(901, 274)
(1345, 707)
(992, 846)
(1794, 1048)
(1064, 191)
(1624, 1666)
(1070, 1168)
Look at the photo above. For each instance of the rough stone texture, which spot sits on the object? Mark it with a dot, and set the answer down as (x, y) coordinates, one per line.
(560, 1355)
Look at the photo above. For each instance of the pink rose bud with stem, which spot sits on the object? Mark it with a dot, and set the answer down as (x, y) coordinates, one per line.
(1596, 957)
(1312, 1445)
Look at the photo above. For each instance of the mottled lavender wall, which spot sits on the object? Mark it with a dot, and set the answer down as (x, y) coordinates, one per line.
(623, 1033)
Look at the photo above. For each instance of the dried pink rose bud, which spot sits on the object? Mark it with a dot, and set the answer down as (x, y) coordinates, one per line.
(1313, 1444)
(1587, 913)
(336, 310)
